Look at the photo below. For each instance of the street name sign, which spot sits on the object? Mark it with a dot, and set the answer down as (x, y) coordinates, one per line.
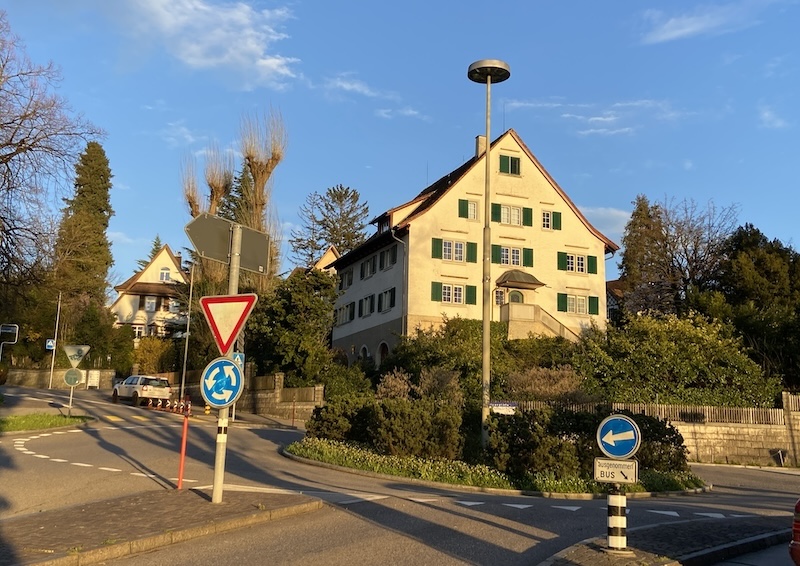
(76, 353)
(221, 383)
(612, 470)
(618, 436)
(226, 316)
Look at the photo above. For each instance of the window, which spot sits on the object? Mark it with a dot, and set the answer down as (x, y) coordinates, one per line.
(578, 304)
(454, 294)
(366, 306)
(515, 297)
(388, 257)
(551, 220)
(512, 215)
(150, 304)
(386, 300)
(369, 267)
(510, 165)
(453, 250)
(468, 209)
(138, 331)
(174, 306)
(346, 313)
(505, 255)
(499, 297)
(345, 279)
(577, 263)
(164, 274)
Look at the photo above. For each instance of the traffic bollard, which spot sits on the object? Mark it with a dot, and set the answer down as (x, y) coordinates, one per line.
(617, 521)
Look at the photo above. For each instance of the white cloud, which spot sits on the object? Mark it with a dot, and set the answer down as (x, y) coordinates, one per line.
(688, 165)
(769, 119)
(120, 238)
(606, 131)
(406, 112)
(610, 221)
(707, 19)
(232, 37)
(176, 134)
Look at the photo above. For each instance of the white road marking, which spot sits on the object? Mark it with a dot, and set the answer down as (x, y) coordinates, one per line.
(517, 505)
(82, 465)
(470, 503)
(712, 515)
(670, 513)
(565, 507)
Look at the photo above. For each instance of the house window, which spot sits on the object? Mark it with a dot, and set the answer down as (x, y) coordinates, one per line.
(512, 256)
(386, 300)
(138, 330)
(468, 209)
(499, 296)
(388, 257)
(509, 165)
(452, 250)
(515, 297)
(174, 306)
(577, 263)
(345, 279)
(164, 274)
(346, 313)
(510, 215)
(551, 220)
(369, 267)
(150, 304)
(578, 304)
(366, 306)
(454, 294)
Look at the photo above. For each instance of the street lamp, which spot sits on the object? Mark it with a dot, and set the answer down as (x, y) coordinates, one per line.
(487, 71)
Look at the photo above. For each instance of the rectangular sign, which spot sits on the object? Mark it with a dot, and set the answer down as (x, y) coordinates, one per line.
(608, 470)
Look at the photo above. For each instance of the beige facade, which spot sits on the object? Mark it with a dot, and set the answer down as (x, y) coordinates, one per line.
(149, 300)
(425, 263)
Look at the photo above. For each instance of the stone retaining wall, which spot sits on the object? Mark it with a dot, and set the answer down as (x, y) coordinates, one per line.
(730, 443)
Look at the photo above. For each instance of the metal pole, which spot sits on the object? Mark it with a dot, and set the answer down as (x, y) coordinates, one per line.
(487, 274)
(188, 321)
(55, 341)
(222, 422)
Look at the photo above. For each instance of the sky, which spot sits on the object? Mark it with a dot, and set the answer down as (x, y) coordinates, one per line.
(672, 100)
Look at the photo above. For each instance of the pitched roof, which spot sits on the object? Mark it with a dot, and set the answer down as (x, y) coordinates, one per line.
(133, 285)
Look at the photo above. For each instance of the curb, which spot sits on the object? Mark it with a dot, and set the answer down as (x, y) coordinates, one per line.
(132, 547)
(731, 550)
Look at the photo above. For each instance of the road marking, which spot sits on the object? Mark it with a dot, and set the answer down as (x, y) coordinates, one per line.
(423, 499)
(59, 460)
(112, 418)
(110, 469)
(670, 513)
(361, 498)
(470, 503)
(712, 515)
(517, 505)
(143, 475)
(565, 507)
(41, 456)
(82, 465)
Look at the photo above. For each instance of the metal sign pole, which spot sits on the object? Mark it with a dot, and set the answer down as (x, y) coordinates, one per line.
(222, 422)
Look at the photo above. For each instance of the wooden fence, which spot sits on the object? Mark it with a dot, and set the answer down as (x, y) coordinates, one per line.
(682, 413)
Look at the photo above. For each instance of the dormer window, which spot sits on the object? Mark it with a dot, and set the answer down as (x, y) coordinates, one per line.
(383, 225)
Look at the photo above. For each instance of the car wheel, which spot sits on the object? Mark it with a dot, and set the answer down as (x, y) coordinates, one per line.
(115, 397)
(135, 399)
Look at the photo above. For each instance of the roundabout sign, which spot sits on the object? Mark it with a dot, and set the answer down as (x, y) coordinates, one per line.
(221, 384)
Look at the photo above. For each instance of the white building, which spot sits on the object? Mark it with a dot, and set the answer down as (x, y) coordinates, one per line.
(424, 263)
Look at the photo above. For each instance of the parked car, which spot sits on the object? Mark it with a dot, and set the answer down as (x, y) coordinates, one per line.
(794, 546)
(142, 388)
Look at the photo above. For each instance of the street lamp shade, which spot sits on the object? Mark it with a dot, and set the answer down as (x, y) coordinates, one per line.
(480, 71)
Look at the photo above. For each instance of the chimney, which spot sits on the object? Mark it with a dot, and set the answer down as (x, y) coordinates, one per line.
(480, 145)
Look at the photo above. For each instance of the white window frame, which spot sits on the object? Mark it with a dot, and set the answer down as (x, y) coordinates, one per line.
(472, 210)
(174, 306)
(499, 297)
(576, 263)
(578, 304)
(510, 256)
(150, 304)
(511, 215)
(453, 294)
(547, 220)
(164, 275)
(454, 250)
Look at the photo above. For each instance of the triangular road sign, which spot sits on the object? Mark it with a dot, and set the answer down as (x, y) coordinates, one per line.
(76, 353)
(226, 315)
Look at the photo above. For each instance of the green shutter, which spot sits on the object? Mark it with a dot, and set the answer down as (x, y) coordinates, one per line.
(436, 248)
(505, 166)
(556, 221)
(463, 208)
(594, 305)
(472, 252)
(527, 257)
(496, 214)
(436, 291)
(496, 253)
(562, 302)
(591, 263)
(562, 261)
(472, 295)
(527, 217)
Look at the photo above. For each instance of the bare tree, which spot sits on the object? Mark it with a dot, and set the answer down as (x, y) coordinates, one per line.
(40, 141)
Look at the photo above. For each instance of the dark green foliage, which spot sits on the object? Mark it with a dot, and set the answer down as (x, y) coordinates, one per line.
(662, 445)
(345, 419)
(522, 444)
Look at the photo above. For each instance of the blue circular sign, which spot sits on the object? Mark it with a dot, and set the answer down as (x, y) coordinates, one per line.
(619, 437)
(221, 383)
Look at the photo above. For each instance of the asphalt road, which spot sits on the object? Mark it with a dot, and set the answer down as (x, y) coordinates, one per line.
(369, 519)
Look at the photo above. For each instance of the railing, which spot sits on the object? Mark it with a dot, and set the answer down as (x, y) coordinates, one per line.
(682, 413)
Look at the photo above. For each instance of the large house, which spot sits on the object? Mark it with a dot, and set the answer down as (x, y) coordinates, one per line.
(149, 300)
(425, 262)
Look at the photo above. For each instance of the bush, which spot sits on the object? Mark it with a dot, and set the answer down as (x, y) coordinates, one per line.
(345, 419)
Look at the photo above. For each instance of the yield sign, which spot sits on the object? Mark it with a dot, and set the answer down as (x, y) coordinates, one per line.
(226, 315)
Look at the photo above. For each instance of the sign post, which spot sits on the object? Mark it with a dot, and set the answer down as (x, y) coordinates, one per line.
(73, 376)
(619, 438)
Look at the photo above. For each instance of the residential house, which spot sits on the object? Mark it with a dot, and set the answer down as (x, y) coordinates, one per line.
(149, 300)
(424, 263)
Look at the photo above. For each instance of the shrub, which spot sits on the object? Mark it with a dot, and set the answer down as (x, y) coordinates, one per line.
(345, 419)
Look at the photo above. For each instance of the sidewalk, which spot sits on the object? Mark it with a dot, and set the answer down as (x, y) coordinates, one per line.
(101, 531)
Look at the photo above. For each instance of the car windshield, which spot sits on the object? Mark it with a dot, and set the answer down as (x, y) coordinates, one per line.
(156, 382)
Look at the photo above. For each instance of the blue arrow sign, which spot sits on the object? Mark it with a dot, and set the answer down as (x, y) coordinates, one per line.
(619, 437)
(221, 383)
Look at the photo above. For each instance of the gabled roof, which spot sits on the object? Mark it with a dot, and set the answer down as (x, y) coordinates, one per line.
(431, 194)
(134, 286)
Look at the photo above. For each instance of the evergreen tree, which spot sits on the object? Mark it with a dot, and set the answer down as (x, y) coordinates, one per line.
(83, 252)
(336, 218)
(156, 247)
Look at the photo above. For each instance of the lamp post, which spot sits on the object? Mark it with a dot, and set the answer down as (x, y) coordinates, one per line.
(487, 71)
